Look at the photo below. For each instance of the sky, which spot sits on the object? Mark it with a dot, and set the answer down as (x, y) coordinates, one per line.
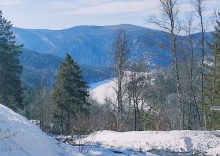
(62, 14)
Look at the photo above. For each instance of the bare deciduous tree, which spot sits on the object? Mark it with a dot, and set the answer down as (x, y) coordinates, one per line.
(40, 107)
(136, 88)
(188, 47)
(170, 24)
(199, 7)
(120, 57)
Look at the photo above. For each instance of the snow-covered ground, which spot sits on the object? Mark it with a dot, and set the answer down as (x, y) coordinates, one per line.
(20, 137)
(160, 142)
(97, 84)
(103, 91)
(106, 90)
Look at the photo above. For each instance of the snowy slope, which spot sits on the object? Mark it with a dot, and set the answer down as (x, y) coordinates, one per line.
(106, 90)
(97, 84)
(160, 142)
(150, 142)
(103, 91)
(20, 137)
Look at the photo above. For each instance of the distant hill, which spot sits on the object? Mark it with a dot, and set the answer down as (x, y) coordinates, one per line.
(90, 45)
(39, 70)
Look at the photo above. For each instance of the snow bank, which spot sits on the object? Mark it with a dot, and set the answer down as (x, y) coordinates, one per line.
(191, 142)
(20, 137)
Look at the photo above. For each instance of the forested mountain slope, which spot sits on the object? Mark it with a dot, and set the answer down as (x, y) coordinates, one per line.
(92, 45)
(39, 70)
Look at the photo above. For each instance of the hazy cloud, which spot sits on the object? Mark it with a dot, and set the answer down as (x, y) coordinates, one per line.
(60, 5)
(10, 2)
(67, 13)
(116, 7)
(97, 7)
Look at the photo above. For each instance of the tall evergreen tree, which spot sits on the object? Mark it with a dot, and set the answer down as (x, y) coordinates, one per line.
(69, 94)
(10, 68)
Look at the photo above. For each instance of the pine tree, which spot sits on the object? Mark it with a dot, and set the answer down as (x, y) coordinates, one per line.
(10, 68)
(212, 77)
(69, 94)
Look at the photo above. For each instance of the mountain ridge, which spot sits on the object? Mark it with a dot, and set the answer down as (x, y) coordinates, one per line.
(88, 45)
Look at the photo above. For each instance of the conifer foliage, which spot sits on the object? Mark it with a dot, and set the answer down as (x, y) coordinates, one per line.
(10, 68)
(212, 78)
(69, 94)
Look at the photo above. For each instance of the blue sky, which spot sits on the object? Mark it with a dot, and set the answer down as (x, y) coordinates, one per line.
(61, 14)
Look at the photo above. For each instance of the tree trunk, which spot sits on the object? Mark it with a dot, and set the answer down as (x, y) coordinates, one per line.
(62, 120)
(174, 50)
(199, 9)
